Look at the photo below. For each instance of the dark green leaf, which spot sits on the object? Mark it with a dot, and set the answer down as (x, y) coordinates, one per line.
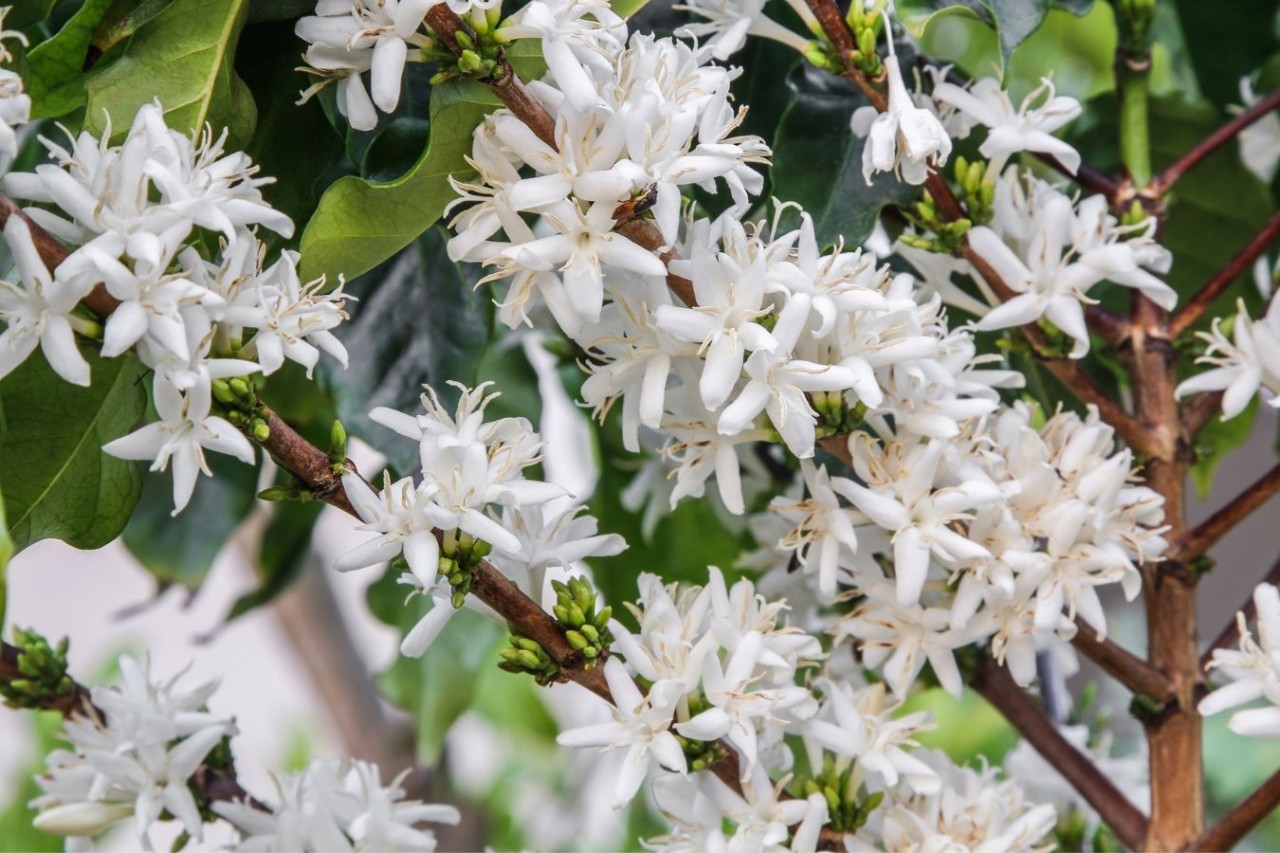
(1215, 441)
(57, 84)
(185, 58)
(418, 321)
(292, 143)
(1227, 42)
(359, 223)
(180, 549)
(439, 686)
(286, 542)
(279, 10)
(816, 130)
(1013, 20)
(56, 481)
(28, 13)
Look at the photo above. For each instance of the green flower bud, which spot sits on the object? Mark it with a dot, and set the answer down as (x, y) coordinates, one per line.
(222, 392)
(275, 493)
(469, 62)
(529, 659)
(589, 631)
(239, 386)
(590, 653)
(577, 640)
(337, 441)
(602, 618)
(576, 617)
(261, 431)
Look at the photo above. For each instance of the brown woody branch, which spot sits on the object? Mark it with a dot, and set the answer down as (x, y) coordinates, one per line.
(1166, 179)
(998, 687)
(1207, 534)
(1230, 633)
(1244, 817)
(1188, 314)
(1121, 664)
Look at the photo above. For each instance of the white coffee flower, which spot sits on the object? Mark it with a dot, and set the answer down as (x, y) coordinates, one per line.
(904, 139)
(1242, 364)
(1252, 671)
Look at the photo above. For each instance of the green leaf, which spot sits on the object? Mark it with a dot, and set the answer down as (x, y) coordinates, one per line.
(292, 143)
(361, 223)
(55, 479)
(180, 549)
(28, 13)
(1013, 20)
(57, 84)
(439, 686)
(185, 58)
(1215, 441)
(815, 129)
(418, 321)
(1227, 42)
(279, 10)
(286, 542)
(627, 8)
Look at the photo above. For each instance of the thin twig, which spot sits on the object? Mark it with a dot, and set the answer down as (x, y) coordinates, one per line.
(1166, 179)
(1121, 664)
(1238, 822)
(1209, 532)
(998, 687)
(1230, 633)
(1199, 410)
(1188, 314)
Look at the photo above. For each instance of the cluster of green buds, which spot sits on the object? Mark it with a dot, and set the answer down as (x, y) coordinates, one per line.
(839, 786)
(835, 415)
(700, 754)
(1056, 343)
(526, 655)
(43, 669)
(977, 191)
(937, 234)
(866, 22)
(460, 554)
(239, 399)
(586, 629)
(481, 48)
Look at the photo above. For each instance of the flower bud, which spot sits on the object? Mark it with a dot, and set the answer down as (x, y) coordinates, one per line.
(81, 819)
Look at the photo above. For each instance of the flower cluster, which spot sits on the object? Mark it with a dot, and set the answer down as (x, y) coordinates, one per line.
(1252, 670)
(1243, 364)
(1051, 252)
(137, 215)
(721, 668)
(134, 756)
(15, 104)
(337, 806)
(472, 470)
(137, 752)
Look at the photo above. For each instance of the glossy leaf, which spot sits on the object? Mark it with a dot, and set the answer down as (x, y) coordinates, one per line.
(1013, 20)
(1215, 441)
(279, 10)
(56, 481)
(418, 321)
(1227, 43)
(28, 13)
(815, 129)
(180, 549)
(184, 57)
(361, 223)
(292, 142)
(57, 79)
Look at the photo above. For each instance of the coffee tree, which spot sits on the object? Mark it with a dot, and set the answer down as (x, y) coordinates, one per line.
(899, 363)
